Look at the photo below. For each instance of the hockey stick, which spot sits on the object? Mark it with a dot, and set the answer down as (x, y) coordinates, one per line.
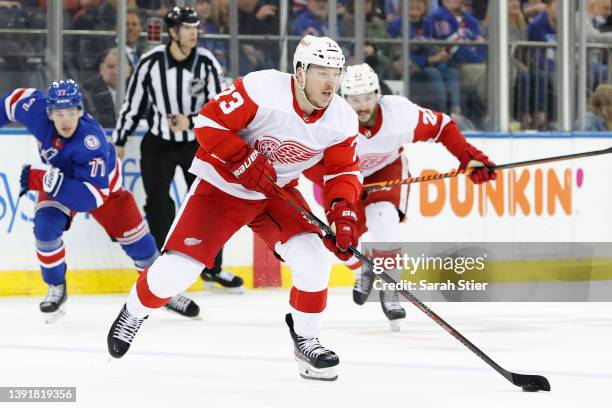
(390, 183)
(527, 382)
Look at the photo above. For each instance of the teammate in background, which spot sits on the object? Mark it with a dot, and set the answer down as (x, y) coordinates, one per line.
(80, 174)
(386, 123)
(266, 128)
(176, 80)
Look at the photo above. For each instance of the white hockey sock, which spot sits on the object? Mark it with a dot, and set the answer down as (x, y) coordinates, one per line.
(306, 324)
(170, 274)
(135, 307)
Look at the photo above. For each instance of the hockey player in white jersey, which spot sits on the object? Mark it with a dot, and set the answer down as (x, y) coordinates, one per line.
(386, 123)
(268, 127)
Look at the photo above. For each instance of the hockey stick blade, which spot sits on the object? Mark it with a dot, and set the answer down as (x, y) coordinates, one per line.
(527, 382)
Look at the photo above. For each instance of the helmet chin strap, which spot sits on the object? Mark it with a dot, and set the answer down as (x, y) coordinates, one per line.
(180, 48)
(303, 90)
(178, 43)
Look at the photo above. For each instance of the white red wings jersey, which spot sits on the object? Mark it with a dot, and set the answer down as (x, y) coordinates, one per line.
(261, 109)
(399, 121)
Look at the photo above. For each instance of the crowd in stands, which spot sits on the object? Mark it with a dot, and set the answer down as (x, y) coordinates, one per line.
(449, 77)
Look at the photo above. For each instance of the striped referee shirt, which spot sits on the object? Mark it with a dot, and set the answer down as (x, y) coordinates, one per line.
(169, 87)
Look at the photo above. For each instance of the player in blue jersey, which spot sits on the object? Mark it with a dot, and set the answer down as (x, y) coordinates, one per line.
(80, 172)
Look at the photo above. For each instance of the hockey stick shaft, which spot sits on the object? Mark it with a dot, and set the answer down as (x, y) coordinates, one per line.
(453, 173)
(413, 299)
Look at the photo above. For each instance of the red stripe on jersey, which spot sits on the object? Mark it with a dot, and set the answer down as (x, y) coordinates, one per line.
(432, 124)
(113, 182)
(233, 109)
(49, 259)
(16, 97)
(315, 173)
(337, 159)
(146, 297)
(308, 302)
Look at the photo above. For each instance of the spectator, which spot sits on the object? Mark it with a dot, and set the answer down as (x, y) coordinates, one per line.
(12, 60)
(10, 5)
(531, 8)
(148, 4)
(85, 6)
(597, 12)
(449, 22)
(599, 110)
(375, 25)
(86, 49)
(100, 90)
(543, 28)
(255, 17)
(375, 55)
(477, 8)
(517, 31)
(98, 15)
(204, 8)
(134, 45)
(376, 59)
(393, 8)
(218, 23)
(313, 20)
(431, 80)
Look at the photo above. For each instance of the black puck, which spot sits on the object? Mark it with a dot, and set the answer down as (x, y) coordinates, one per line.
(531, 388)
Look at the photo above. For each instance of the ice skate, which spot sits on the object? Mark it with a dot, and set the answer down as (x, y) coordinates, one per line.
(392, 308)
(52, 305)
(315, 361)
(363, 286)
(184, 306)
(122, 333)
(223, 282)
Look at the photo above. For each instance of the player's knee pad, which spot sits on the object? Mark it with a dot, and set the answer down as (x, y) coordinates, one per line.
(383, 222)
(309, 261)
(49, 224)
(143, 252)
(172, 273)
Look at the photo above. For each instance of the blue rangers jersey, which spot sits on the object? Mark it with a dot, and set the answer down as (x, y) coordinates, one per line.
(89, 163)
(445, 26)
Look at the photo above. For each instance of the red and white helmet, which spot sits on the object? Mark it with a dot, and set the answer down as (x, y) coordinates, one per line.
(319, 51)
(359, 79)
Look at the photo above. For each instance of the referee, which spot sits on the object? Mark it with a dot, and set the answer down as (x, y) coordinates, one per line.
(175, 80)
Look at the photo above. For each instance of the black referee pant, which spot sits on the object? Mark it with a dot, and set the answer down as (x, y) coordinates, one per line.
(158, 161)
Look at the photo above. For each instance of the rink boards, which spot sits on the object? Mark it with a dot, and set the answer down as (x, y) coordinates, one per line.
(565, 201)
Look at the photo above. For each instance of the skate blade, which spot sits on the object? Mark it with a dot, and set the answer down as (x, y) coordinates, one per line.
(213, 287)
(308, 372)
(394, 325)
(54, 316)
(198, 317)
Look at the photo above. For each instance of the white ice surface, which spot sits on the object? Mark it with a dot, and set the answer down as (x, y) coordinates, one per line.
(240, 354)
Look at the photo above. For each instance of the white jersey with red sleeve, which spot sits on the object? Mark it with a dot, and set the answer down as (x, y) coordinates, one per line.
(261, 110)
(401, 121)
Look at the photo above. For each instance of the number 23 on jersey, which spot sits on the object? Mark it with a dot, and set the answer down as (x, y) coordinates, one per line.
(228, 105)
